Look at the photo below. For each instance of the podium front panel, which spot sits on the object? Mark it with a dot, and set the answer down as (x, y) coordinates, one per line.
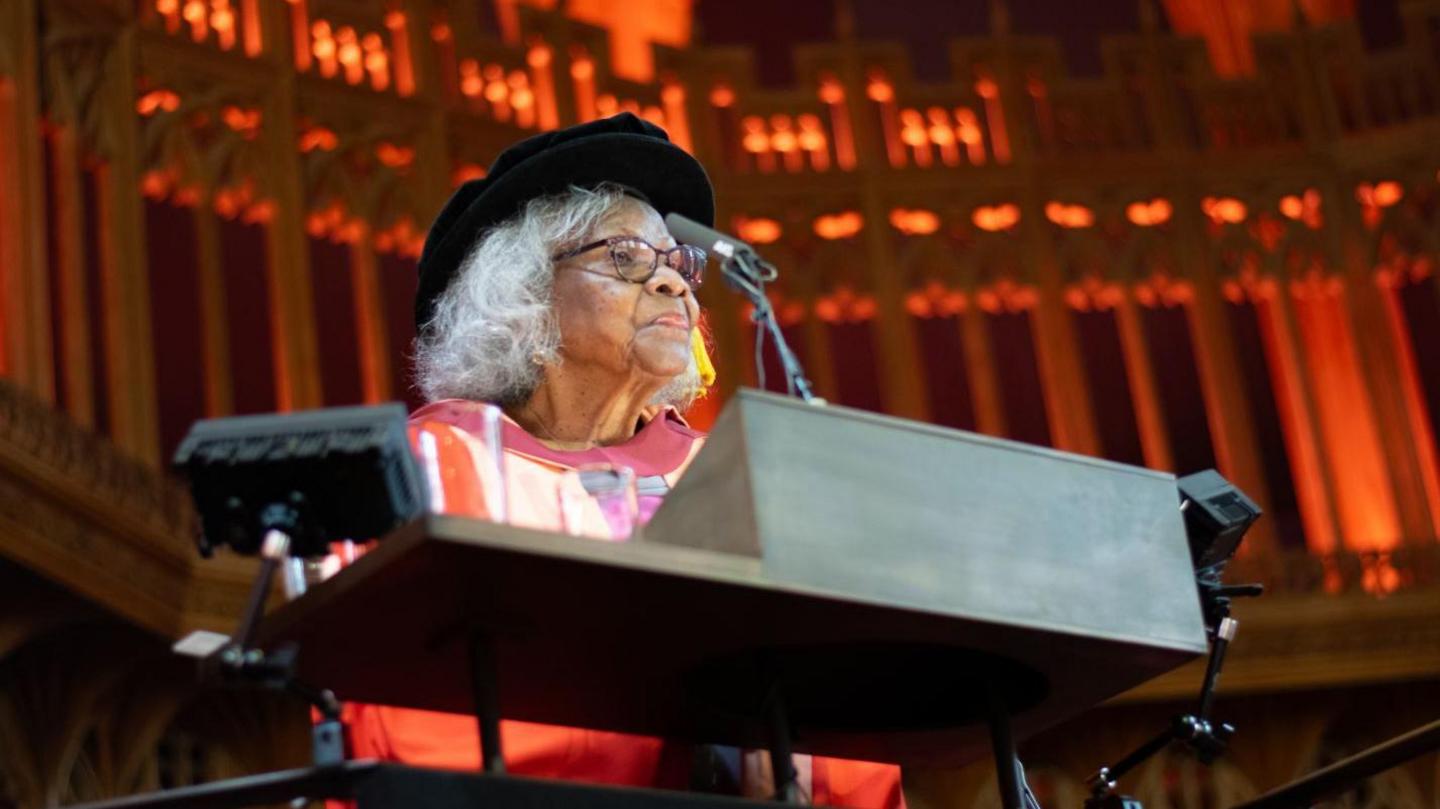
(885, 622)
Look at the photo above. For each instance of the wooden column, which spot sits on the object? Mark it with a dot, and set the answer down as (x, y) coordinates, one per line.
(66, 184)
(1062, 374)
(219, 398)
(24, 301)
(980, 372)
(1067, 396)
(134, 414)
(1417, 409)
(1227, 407)
(1299, 419)
(297, 362)
(370, 322)
(1140, 372)
(1381, 367)
(901, 376)
(819, 359)
(432, 148)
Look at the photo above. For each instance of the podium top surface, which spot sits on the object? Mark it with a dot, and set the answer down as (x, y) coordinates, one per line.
(883, 652)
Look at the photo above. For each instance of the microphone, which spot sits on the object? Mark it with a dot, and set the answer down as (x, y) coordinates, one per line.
(744, 270)
(688, 231)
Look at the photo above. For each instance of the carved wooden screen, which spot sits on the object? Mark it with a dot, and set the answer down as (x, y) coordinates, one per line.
(336, 332)
(248, 315)
(1253, 355)
(1021, 391)
(399, 277)
(852, 344)
(946, 373)
(74, 233)
(1111, 399)
(54, 265)
(1167, 329)
(177, 330)
(92, 194)
(1420, 301)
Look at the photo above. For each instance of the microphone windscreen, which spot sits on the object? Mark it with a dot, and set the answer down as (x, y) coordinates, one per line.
(688, 231)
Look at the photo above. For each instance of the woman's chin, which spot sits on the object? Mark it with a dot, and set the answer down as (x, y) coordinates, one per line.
(663, 365)
(661, 357)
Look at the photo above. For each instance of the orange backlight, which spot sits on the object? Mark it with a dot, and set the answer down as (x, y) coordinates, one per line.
(157, 100)
(755, 140)
(1224, 209)
(914, 221)
(879, 90)
(996, 217)
(318, 138)
(241, 120)
(1380, 195)
(395, 156)
(466, 172)
(812, 134)
(722, 96)
(841, 225)
(1069, 216)
(759, 230)
(1148, 214)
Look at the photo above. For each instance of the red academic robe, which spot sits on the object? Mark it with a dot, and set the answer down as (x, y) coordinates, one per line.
(446, 435)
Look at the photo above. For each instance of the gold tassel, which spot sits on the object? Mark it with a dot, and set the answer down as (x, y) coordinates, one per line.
(702, 360)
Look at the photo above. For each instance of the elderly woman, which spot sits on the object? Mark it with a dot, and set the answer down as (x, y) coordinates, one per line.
(552, 289)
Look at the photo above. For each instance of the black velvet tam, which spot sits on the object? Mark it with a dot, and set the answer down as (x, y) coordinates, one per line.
(623, 149)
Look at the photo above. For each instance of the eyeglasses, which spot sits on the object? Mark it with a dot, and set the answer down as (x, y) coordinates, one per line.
(637, 260)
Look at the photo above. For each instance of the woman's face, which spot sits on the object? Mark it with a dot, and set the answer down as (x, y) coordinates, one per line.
(612, 324)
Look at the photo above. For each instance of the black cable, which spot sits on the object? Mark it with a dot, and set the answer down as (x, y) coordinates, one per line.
(746, 274)
(756, 320)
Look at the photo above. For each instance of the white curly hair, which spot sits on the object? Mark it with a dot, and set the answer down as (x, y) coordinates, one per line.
(494, 327)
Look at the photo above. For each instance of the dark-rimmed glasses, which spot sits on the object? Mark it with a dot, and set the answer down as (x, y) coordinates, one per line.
(637, 260)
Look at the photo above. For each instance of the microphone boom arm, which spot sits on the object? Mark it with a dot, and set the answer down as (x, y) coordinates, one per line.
(745, 271)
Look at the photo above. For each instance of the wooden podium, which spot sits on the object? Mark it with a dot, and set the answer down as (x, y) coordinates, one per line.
(898, 584)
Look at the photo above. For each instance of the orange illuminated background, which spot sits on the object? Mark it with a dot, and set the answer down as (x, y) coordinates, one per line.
(633, 25)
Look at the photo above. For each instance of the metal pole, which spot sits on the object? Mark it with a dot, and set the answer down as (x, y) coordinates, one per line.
(1346, 774)
(484, 683)
(1007, 765)
(782, 761)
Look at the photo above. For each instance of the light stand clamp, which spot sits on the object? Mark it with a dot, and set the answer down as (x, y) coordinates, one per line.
(240, 662)
(1217, 515)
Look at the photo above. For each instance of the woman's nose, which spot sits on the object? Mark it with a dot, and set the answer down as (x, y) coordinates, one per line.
(666, 281)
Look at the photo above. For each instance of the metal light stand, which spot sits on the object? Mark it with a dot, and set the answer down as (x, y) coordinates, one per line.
(285, 486)
(1196, 730)
(238, 661)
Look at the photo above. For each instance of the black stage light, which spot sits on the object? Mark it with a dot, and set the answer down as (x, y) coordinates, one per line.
(1217, 515)
(317, 476)
(287, 485)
